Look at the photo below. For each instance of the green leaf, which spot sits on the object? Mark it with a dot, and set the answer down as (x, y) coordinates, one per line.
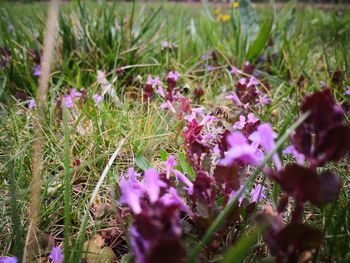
(186, 168)
(163, 154)
(141, 162)
(257, 46)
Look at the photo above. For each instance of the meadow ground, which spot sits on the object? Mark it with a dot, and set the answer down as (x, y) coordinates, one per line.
(106, 51)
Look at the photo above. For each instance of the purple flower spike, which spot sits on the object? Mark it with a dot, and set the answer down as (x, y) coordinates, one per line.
(153, 184)
(299, 157)
(68, 101)
(8, 260)
(37, 70)
(56, 255)
(131, 194)
(74, 93)
(31, 104)
(265, 137)
(257, 193)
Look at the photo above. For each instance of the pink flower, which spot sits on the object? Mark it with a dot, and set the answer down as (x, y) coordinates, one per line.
(243, 81)
(299, 157)
(168, 105)
(235, 99)
(182, 178)
(251, 118)
(153, 184)
(252, 82)
(56, 255)
(257, 193)
(31, 104)
(37, 70)
(265, 137)
(241, 150)
(97, 98)
(68, 101)
(74, 93)
(132, 191)
(234, 70)
(150, 80)
(160, 91)
(240, 124)
(174, 75)
(173, 198)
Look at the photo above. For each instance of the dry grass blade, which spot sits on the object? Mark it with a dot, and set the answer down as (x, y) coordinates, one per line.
(34, 207)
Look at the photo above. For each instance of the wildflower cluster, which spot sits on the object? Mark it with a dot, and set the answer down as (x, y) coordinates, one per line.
(168, 204)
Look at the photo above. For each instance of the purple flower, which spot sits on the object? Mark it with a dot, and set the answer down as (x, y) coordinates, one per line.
(168, 105)
(150, 80)
(160, 91)
(234, 70)
(347, 92)
(8, 260)
(68, 101)
(174, 75)
(31, 104)
(299, 157)
(257, 193)
(252, 82)
(97, 98)
(233, 194)
(264, 99)
(243, 81)
(235, 99)
(240, 150)
(173, 198)
(240, 124)
(37, 70)
(182, 178)
(265, 137)
(169, 165)
(153, 184)
(132, 191)
(210, 68)
(157, 82)
(56, 255)
(251, 118)
(74, 93)
(323, 84)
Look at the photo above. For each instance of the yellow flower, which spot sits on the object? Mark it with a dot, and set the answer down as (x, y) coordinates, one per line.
(225, 18)
(235, 4)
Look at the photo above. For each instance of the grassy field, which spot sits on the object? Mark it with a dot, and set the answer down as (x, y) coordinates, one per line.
(294, 52)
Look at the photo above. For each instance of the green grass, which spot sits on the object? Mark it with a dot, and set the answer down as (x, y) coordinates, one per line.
(111, 37)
